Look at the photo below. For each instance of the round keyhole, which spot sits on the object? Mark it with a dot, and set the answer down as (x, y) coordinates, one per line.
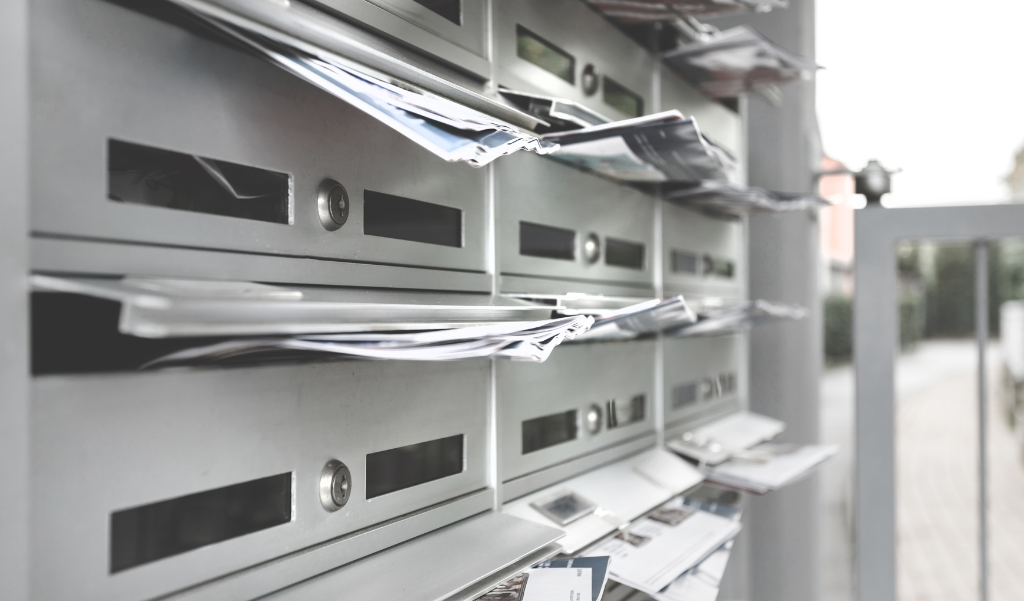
(592, 248)
(332, 204)
(335, 485)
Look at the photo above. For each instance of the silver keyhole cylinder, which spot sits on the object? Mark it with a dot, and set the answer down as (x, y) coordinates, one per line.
(335, 485)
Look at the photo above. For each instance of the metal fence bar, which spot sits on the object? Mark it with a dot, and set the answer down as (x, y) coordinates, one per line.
(981, 333)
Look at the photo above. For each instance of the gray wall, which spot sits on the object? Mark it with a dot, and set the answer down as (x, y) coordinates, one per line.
(781, 556)
(13, 302)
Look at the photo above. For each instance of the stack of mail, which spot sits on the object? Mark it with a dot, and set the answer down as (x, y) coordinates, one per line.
(701, 583)
(650, 11)
(729, 63)
(654, 551)
(726, 198)
(737, 317)
(769, 467)
(569, 578)
(446, 128)
(521, 341)
(664, 147)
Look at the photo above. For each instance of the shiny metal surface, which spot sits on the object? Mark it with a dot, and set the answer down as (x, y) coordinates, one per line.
(152, 83)
(148, 437)
(446, 564)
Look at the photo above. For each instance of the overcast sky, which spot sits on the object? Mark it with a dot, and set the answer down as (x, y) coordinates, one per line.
(934, 87)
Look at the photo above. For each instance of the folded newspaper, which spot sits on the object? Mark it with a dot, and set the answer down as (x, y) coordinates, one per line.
(655, 550)
(737, 317)
(651, 11)
(729, 63)
(567, 579)
(664, 147)
(520, 341)
(446, 128)
(648, 317)
(768, 467)
(729, 199)
(701, 583)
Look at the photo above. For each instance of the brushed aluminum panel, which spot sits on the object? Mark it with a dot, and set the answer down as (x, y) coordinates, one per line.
(691, 360)
(436, 566)
(542, 191)
(120, 441)
(688, 231)
(576, 377)
(575, 28)
(149, 82)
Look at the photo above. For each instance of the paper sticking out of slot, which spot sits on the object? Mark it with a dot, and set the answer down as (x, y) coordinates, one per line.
(560, 114)
(448, 129)
(655, 550)
(659, 148)
(768, 467)
(730, 63)
(519, 341)
(715, 442)
(731, 200)
(654, 11)
(738, 317)
(647, 317)
(565, 579)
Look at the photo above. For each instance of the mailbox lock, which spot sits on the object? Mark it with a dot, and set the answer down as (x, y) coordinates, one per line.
(332, 204)
(589, 80)
(335, 485)
(592, 248)
(593, 419)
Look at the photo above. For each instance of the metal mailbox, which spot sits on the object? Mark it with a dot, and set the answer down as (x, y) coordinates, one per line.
(452, 31)
(562, 48)
(587, 404)
(155, 483)
(563, 230)
(704, 378)
(703, 255)
(188, 143)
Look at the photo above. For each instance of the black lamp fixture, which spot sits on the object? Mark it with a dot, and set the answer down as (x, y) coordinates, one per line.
(873, 181)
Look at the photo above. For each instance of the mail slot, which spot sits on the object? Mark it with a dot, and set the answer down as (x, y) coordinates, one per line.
(585, 400)
(591, 62)
(190, 143)
(172, 479)
(721, 124)
(703, 378)
(451, 31)
(704, 255)
(559, 223)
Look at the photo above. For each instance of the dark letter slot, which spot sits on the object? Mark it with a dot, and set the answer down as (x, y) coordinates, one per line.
(684, 394)
(622, 412)
(389, 216)
(396, 469)
(622, 98)
(723, 268)
(449, 9)
(684, 262)
(547, 242)
(544, 54)
(144, 534)
(620, 253)
(143, 175)
(543, 432)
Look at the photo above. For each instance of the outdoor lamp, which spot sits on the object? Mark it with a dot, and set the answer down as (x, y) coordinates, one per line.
(873, 181)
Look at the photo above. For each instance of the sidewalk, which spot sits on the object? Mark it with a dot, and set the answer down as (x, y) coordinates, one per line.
(936, 480)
